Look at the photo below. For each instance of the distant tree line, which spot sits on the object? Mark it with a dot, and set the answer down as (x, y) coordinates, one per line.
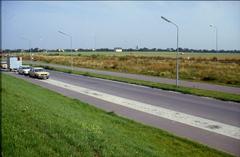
(144, 49)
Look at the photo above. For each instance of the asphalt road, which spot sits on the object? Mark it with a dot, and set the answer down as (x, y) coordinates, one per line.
(199, 85)
(212, 109)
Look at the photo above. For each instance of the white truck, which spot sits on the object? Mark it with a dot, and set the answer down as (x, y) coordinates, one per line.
(13, 63)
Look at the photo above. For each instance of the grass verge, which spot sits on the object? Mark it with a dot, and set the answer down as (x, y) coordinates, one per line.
(39, 122)
(185, 90)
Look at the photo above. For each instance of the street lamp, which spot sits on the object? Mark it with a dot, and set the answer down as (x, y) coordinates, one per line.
(70, 46)
(94, 42)
(177, 56)
(29, 45)
(215, 27)
(40, 44)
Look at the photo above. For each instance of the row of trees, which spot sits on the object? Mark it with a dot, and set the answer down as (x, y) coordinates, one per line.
(129, 49)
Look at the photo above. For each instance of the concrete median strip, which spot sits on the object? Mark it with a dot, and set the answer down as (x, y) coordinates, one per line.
(195, 121)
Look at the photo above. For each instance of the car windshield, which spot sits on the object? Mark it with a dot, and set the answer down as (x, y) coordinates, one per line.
(39, 70)
(25, 67)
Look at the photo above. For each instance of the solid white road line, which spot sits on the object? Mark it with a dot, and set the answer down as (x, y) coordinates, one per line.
(195, 121)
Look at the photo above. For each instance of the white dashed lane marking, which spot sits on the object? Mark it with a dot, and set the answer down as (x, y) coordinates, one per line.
(191, 120)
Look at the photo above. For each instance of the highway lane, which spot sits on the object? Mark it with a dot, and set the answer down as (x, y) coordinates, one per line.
(199, 85)
(225, 112)
(194, 105)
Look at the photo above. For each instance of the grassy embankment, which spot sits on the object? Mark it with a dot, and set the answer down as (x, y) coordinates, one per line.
(39, 122)
(212, 68)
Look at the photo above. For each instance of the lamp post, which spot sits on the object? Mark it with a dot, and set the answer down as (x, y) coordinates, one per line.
(70, 46)
(40, 44)
(216, 30)
(29, 45)
(177, 56)
(94, 42)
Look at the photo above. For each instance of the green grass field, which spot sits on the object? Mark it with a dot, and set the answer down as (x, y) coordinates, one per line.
(39, 122)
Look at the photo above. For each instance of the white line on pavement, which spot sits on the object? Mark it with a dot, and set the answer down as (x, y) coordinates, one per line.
(195, 121)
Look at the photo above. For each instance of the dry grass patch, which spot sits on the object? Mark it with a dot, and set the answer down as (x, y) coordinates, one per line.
(209, 69)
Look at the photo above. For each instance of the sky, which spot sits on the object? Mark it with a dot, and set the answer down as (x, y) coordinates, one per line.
(126, 24)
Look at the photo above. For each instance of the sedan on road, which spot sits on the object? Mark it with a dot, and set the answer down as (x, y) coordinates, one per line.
(38, 72)
(24, 69)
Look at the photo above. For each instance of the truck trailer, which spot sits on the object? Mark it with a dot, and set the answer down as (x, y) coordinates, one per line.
(13, 63)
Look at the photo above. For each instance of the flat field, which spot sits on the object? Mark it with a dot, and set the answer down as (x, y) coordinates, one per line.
(39, 122)
(152, 54)
(219, 68)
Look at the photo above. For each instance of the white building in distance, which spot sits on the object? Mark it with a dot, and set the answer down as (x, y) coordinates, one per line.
(118, 49)
(60, 50)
